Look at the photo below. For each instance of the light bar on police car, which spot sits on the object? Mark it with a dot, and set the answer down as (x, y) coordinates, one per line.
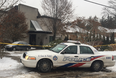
(73, 41)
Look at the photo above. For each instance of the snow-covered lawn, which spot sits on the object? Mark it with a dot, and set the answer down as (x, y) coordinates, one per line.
(8, 63)
(27, 75)
(10, 68)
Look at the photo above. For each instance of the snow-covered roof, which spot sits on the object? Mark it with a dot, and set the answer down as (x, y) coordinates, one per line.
(73, 29)
(103, 29)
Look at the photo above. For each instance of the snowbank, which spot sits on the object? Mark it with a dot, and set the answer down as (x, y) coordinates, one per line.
(109, 52)
(28, 75)
(113, 68)
(8, 63)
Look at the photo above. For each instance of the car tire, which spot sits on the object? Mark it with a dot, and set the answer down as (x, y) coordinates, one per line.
(44, 66)
(97, 66)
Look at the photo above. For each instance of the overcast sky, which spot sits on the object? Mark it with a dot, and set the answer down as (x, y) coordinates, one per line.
(82, 8)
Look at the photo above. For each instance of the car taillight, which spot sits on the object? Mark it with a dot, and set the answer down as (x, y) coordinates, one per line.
(112, 57)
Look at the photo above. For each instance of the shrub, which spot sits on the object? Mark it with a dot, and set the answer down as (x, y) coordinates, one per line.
(102, 48)
(54, 43)
(112, 47)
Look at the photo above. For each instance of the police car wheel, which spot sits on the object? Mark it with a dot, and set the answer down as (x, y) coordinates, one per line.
(44, 66)
(97, 66)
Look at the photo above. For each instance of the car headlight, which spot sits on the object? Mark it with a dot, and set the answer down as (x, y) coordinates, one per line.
(30, 58)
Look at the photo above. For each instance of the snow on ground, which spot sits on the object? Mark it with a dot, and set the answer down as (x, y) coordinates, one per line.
(113, 68)
(8, 63)
(28, 75)
(109, 52)
(15, 54)
(10, 67)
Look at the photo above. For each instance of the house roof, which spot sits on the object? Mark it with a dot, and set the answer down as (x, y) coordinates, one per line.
(107, 30)
(36, 25)
(37, 28)
(18, 6)
(74, 28)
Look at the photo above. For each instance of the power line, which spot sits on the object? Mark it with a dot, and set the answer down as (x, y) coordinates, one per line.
(99, 4)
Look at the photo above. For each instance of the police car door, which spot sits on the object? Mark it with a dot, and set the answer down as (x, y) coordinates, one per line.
(85, 56)
(68, 55)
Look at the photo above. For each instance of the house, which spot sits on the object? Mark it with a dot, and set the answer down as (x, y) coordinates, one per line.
(74, 32)
(40, 30)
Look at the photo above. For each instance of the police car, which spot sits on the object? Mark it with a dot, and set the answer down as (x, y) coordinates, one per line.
(68, 54)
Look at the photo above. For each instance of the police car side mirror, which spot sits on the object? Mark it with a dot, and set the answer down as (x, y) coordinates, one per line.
(63, 52)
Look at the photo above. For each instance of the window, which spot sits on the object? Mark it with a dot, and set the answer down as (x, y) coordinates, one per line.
(58, 48)
(32, 26)
(70, 50)
(24, 43)
(50, 38)
(85, 50)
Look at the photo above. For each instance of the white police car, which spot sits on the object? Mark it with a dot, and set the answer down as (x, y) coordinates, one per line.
(69, 54)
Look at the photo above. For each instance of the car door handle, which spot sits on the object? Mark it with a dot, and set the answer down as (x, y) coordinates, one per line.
(76, 56)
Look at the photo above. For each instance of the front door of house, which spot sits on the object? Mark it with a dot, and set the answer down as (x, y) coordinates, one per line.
(32, 39)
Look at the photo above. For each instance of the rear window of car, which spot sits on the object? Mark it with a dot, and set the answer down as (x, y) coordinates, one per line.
(85, 50)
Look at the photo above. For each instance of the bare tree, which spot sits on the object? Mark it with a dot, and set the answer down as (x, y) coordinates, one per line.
(13, 26)
(112, 10)
(60, 10)
(5, 5)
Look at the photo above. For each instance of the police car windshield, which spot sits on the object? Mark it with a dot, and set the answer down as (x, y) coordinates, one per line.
(58, 48)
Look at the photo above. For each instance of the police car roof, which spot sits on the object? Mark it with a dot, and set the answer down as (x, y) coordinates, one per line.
(73, 42)
(66, 43)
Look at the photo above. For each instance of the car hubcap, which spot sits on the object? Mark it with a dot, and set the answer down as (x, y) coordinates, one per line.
(97, 66)
(45, 66)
